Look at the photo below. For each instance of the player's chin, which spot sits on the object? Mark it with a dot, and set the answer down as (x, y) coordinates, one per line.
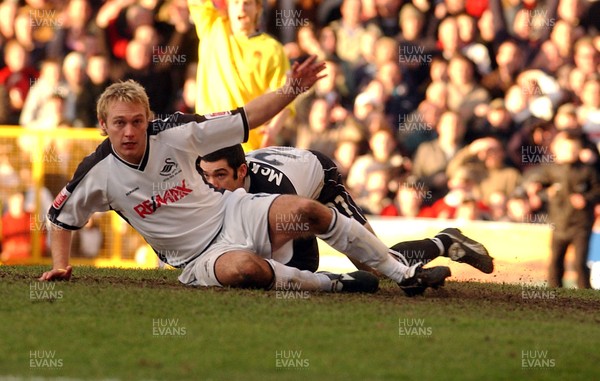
(129, 146)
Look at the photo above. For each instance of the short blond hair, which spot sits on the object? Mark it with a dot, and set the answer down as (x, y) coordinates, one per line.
(128, 91)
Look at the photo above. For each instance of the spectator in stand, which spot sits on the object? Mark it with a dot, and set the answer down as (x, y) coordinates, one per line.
(563, 36)
(432, 157)
(237, 63)
(530, 146)
(510, 62)
(73, 70)
(119, 19)
(43, 88)
(566, 120)
(386, 18)
(16, 231)
(383, 155)
(588, 113)
(407, 200)
(154, 78)
(416, 49)
(448, 39)
(8, 13)
(462, 192)
(487, 32)
(541, 92)
(470, 47)
(50, 117)
(418, 126)
(319, 134)
(549, 59)
(367, 63)
(16, 79)
(349, 31)
(24, 27)
(377, 192)
(572, 189)
(345, 155)
(496, 122)
(587, 58)
(332, 88)
(371, 100)
(464, 94)
(77, 26)
(485, 159)
(398, 99)
(97, 80)
(516, 102)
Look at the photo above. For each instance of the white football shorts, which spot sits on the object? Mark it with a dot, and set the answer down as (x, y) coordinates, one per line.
(245, 228)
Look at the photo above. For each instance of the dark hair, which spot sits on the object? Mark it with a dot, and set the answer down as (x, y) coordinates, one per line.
(234, 155)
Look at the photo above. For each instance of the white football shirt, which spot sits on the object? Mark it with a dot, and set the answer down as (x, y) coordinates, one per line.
(284, 170)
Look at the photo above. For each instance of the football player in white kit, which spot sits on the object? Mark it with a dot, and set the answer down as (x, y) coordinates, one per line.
(145, 171)
(289, 170)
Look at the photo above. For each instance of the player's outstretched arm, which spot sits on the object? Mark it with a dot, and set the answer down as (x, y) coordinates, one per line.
(61, 249)
(300, 79)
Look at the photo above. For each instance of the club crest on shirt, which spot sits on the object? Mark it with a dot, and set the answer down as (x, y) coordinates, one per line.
(170, 166)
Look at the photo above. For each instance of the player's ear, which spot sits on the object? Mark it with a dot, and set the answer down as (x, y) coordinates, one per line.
(102, 124)
(243, 171)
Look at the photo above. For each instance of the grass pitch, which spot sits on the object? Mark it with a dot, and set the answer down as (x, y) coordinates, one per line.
(143, 325)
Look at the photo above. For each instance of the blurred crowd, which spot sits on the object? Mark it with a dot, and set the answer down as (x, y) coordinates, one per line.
(443, 109)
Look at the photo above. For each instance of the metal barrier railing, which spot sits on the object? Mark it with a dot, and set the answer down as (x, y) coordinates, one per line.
(39, 162)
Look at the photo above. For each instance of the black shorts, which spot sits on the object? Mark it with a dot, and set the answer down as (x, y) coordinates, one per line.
(334, 193)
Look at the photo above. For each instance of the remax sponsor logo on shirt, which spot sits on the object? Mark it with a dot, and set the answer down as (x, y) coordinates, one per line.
(169, 196)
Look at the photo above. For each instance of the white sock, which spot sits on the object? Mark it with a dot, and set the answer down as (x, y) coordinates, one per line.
(287, 278)
(439, 244)
(351, 238)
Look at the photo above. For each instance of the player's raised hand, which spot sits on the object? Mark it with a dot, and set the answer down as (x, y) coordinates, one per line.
(57, 274)
(303, 76)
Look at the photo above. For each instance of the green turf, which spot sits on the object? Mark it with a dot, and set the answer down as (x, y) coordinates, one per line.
(100, 326)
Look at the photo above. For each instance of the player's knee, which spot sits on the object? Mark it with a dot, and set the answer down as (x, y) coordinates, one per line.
(244, 270)
(315, 214)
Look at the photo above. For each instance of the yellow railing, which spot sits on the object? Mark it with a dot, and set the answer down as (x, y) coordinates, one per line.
(58, 152)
